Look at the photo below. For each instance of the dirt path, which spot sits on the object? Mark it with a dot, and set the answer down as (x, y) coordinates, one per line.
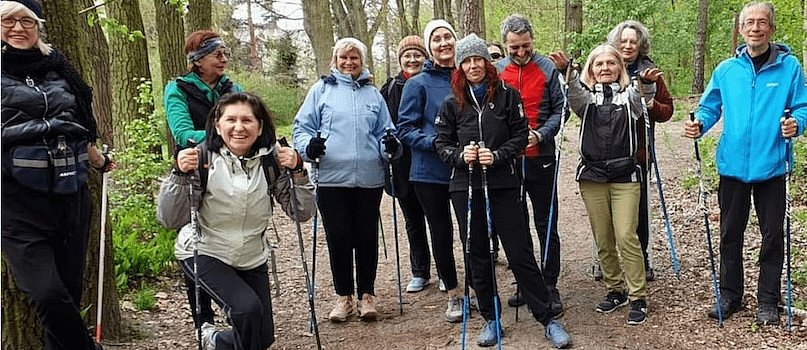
(677, 318)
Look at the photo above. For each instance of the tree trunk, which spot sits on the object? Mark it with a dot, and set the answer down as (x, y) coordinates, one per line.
(254, 62)
(21, 329)
(472, 18)
(99, 79)
(700, 47)
(319, 27)
(414, 6)
(442, 9)
(171, 40)
(403, 23)
(130, 66)
(573, 22)
(200, 14)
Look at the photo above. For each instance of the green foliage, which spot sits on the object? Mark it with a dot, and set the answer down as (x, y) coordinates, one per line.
(144, 297)
(142, 246)
(112, 27)
(282, 100)
(285, 59)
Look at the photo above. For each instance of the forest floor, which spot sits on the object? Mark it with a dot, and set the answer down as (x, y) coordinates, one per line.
(677, 316)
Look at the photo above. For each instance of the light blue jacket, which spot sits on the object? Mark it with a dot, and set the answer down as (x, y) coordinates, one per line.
(353, 117)
(423, 95)
(751, 147)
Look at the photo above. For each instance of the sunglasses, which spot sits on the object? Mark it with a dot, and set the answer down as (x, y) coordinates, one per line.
(496, 56)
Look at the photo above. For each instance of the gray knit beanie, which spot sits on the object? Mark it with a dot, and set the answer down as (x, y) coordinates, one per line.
(469, 46)
(431, 27)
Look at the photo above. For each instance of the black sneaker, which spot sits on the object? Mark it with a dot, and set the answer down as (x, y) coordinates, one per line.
(649, 274)
(728, 307)
(516, 300)
(555, 304)
(638, 312)
(767, 314)
(613, 301)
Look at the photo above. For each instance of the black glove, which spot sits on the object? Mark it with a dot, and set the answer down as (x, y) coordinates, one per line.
(316, 148)
(390, 144)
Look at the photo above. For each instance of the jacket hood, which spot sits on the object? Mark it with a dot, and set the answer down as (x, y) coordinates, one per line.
(430, 68)
(778, 51)
(336, 76)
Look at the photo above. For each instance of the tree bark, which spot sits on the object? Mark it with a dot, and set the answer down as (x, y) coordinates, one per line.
(414, 6)
(403, 23)
(171, 40)
(254, 62)
(573, 22)
(319, 27)
(130, 67)
(472, 18)
(442, 9)
(200, 14)
(700, 47)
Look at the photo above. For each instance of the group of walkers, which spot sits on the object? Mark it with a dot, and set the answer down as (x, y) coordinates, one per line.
(464, 124)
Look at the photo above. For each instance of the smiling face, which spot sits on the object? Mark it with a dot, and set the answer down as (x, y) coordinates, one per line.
(519, 46)
(238, 128)
(348, 61)
(20, 31)
(442, 47)
(757, 29)
(606, 68)
(412, 61)
(474, 69)
(212, 66)
(629, 45)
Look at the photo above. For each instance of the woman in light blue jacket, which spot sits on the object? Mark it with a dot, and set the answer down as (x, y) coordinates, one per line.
(345, 112)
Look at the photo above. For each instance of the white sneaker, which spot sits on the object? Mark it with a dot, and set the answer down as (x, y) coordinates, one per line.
(442, 286)
(367, 309)
(344, 308)
(208, 336)
(454, 310)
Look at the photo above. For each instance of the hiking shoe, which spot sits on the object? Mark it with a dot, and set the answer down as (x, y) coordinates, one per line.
(555, 304)
(649, 274)
(488, 335)
(473, 302)
(728, 308)
(208, 336)
(516, 300)
(442, 286)
(596, 271)
(767, 314)
(344, 308)
(638, 312)
(613, 301)
(454, 310)
(367, 310)
(554, 332)
(417, 284)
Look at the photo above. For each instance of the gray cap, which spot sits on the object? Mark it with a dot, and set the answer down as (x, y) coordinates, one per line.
(469, 46)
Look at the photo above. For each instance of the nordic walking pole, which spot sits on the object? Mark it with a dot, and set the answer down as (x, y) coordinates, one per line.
(313, 281)
(308, 283)
(394, 227)
(646, 116)
(668, 227)
(466, 252)
(702, 207)
(102, 247)
(788, 282)
(196, 239)
(383, 239)
(553, 198)
(489, 217)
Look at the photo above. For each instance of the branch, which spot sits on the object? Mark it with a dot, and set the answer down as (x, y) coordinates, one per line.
(93, 7)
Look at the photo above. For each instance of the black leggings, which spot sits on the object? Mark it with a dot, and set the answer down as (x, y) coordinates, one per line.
(435, 200)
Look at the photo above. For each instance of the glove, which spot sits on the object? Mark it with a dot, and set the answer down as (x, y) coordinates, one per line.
(316, 148)
(390, 144)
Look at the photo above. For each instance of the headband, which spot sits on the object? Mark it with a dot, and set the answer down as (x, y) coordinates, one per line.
(205, 48)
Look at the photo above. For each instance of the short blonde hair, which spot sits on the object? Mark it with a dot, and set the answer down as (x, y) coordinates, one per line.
(587, 76)
(8, 8)
(347, 44)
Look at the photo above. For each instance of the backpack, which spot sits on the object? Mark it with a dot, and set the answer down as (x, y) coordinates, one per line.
(270, 169)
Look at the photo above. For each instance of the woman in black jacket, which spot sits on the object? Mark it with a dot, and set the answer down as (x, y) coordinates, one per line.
(486, 111)
(48, 144)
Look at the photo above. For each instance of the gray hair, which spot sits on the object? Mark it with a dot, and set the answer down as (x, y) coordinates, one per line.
(347, 44)
(754, 4)
(516, 24)
(643, 36)
(587, 76)
(8, 8)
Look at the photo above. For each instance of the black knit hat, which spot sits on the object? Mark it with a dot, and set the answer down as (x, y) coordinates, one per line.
(33, 6)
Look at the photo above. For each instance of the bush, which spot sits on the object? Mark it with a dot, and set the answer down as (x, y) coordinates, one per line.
(282, 100)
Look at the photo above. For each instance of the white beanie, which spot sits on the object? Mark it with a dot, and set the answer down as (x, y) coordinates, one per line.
(431, 27)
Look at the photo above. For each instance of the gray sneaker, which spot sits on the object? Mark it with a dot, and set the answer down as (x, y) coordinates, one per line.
(417, 284)
(767, 314)
(454, 310)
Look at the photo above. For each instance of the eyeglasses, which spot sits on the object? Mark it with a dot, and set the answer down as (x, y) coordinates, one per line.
(761, 23)
(221, 53)
(496, 56)
(25, 22)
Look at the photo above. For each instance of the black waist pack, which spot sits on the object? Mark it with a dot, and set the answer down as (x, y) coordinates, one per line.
(58, 166)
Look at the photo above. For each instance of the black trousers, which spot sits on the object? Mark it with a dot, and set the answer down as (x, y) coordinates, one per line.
(510, 223)
(538, 184)
(244, 297)
(436, 203)
(350, 218)
(735, 202)
(419, 256)
(206, 314)
(644, 217)
(44, 240)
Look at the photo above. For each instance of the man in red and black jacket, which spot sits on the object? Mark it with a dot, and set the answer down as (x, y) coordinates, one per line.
(535, 77)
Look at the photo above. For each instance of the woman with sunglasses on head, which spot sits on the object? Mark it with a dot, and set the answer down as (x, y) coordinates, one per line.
(188, 100)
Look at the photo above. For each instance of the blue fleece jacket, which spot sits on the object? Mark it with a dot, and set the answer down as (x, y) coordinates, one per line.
(751, 147)
(423, 95)
(353, 117)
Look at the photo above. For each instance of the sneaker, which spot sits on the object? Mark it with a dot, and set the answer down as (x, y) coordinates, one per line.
(367, 310)
(554, 332)
(555, 304)
(649, 274)
(516, 300)
(638, 312)
(596, 271)
(488, 335)
(208, 336)
(728, 308)
(442, 286)
(454, 310)
(613, 301)
(417, 284)
(767, 314)
(344, 308)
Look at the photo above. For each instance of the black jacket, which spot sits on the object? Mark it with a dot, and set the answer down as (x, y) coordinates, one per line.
(504, 131)
(392, 91)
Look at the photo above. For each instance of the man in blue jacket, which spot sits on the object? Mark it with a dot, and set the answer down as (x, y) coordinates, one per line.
(751, 91)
